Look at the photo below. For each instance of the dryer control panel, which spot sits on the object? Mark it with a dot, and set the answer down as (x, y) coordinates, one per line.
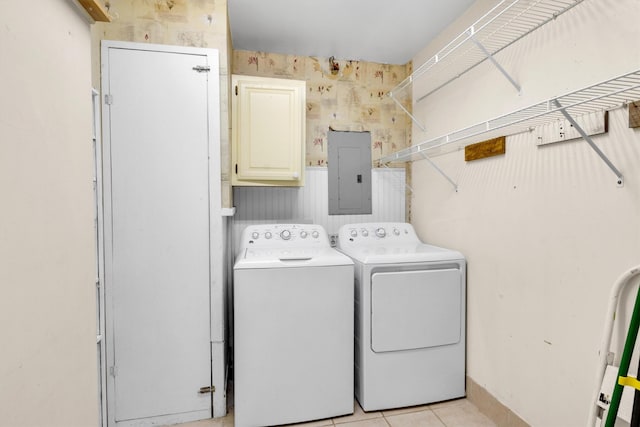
(377, 233)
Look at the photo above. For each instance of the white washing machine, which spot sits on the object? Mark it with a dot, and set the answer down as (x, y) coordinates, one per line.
(410, 317)
(293, 326)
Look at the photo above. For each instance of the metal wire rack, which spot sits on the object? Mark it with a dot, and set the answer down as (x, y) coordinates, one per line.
(603, 96)
(506, 23)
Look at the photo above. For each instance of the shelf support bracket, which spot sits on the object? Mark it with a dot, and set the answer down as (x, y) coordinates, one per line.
(496, 63)
(440, 171)
(407, 112)
(583, 134)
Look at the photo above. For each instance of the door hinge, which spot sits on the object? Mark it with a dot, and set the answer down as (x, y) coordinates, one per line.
(207, 389)
(108, 99)
(236, 90)
(236, 168)
(113, 371)
(97, 282)
(202, 68)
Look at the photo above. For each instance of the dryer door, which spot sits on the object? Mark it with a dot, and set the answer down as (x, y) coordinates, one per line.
(415, 309)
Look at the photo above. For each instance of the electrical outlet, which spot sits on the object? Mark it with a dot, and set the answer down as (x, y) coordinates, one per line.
(333, 240)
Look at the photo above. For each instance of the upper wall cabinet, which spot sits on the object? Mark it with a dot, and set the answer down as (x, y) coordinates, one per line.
(268, 131)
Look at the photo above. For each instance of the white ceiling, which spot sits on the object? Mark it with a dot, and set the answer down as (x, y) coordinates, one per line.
(386, 31)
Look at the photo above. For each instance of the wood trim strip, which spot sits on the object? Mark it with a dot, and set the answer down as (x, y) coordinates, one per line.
(489, 148)
(634, 114)
(96, 10)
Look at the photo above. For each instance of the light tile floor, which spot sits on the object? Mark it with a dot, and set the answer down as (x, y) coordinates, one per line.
(454, 413)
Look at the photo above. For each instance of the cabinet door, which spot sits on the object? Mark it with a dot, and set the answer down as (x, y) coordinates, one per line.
(268, 131)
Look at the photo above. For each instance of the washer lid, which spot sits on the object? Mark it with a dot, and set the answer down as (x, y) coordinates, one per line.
(252, 258)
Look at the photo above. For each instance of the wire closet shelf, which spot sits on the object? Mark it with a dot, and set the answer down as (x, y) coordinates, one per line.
(506, 23)
(607, 95)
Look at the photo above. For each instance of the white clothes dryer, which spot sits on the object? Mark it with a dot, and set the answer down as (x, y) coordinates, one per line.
(293, 326)
(410, 317)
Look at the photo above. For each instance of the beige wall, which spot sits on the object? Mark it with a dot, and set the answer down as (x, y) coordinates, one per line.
(546, 231)
(178, 22)
(48, 363)
(351, 98)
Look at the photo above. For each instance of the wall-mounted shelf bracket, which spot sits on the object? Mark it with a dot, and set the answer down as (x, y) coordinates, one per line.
(583, 134)
(399, 104)
(493, 60)
(440, 171)
(603, 96)
(500, 27)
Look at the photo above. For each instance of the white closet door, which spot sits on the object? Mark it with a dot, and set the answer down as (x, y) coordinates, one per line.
(157, 237)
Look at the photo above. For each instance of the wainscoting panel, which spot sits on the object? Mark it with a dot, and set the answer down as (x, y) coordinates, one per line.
(310, 204)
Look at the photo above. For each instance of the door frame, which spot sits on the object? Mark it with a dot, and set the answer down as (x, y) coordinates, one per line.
(99, 221)
(216, 251)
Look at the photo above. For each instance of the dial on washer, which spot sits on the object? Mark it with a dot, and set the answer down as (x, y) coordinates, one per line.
(285, 234)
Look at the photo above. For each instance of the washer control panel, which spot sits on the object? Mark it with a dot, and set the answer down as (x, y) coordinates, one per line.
(284, 235)
(377, 233)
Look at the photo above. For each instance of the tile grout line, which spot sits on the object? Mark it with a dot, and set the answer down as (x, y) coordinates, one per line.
(385, 419)
(438, 417)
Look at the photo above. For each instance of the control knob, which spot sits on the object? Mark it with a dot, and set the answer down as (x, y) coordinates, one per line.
(396, 231)
(285, 234)
(315, 234)
(303, 234)
(255, 235)
(364, 232)
(354, 233)
(381, 232)
(267, 235)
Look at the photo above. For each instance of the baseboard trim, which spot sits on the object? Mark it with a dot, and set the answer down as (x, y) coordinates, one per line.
(491, 407)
